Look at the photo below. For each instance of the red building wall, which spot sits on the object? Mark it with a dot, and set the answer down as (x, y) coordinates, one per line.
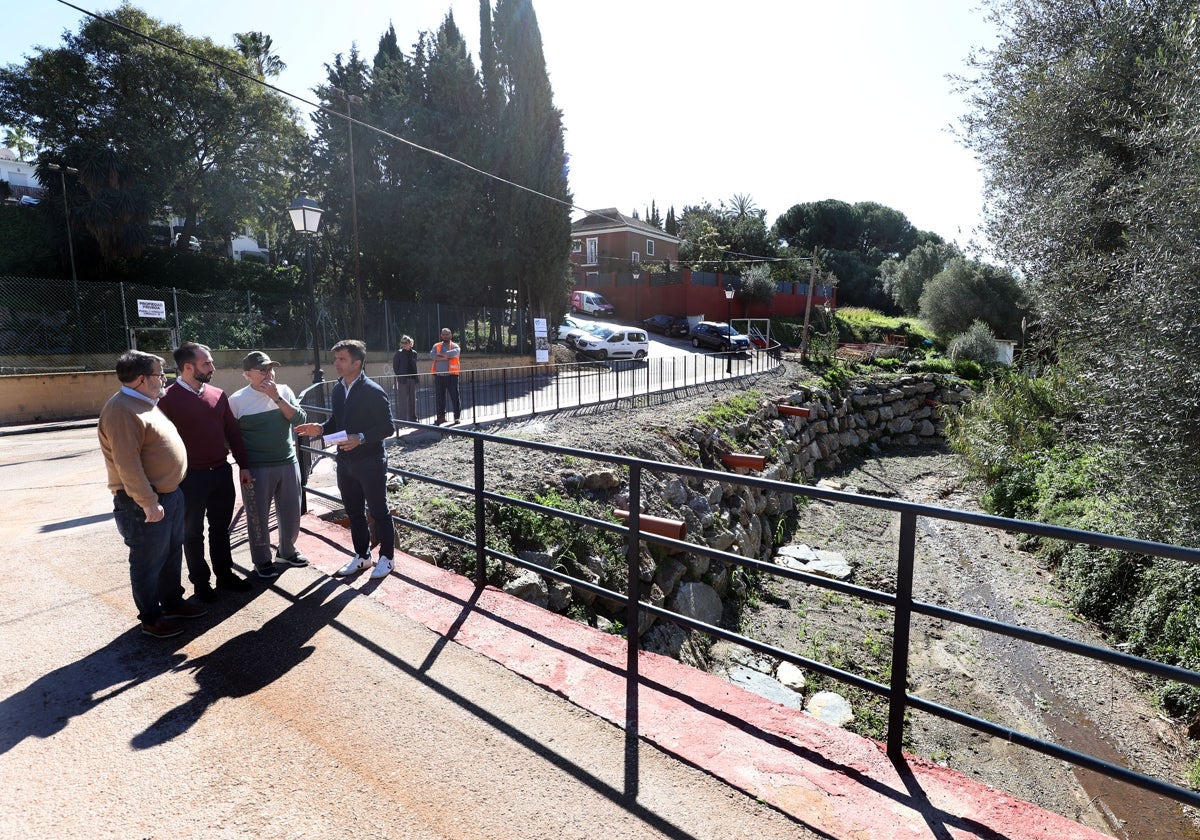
(636, 300)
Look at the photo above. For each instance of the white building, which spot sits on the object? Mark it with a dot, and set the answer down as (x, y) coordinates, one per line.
(20, 176)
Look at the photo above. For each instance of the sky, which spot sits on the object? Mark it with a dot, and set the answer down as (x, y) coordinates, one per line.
(672, 101)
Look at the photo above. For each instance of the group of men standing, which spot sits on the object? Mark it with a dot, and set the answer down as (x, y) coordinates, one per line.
(166, 451)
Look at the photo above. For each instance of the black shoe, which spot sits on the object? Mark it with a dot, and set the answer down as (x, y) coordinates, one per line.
(161, 629)
(233, 583)
(183, 611)
(206, 593)
(266, 572)
(441, 421)
(298, 560)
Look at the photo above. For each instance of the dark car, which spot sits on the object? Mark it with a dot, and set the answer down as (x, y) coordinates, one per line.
(718, 337)
(668, 325)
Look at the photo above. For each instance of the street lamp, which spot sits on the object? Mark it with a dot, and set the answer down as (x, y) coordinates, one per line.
(637, 276)
(62, 174)
(306, 218)
(358, 301)
(729, 290)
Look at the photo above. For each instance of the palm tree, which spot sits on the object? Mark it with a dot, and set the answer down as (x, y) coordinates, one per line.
(17, 139)
(741, 206)
(256, 48)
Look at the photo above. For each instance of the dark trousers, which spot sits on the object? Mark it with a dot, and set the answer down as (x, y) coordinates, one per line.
(446, 384)
(363, 485)
(207, 494)
(155, 552)
(406, 398)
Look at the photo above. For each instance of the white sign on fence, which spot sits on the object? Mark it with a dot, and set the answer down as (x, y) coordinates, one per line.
(152, 308)
(541, 342)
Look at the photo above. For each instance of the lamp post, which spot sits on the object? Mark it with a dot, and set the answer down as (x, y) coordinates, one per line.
(62, 174)
(637, 276)
(358, 301)
(306, 218)
(729, 290)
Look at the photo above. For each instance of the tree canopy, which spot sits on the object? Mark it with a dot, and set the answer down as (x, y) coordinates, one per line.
(1084, 117)
(150, 126)
(855, 240)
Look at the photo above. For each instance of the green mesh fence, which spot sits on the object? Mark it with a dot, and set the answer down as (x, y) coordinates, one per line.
(55, 325)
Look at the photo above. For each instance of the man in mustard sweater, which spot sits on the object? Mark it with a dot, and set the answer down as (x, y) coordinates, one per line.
(146, 461)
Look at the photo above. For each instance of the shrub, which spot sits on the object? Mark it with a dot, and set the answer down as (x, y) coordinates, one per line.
(968, 369)
(977, 344)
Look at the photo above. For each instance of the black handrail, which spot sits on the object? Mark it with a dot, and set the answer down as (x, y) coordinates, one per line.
(902, 602)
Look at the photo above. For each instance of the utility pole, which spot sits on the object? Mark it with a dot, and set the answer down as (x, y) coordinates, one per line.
(812, 282)
(349, 98)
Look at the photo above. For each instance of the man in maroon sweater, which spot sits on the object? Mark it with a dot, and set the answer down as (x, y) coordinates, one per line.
(201, 413)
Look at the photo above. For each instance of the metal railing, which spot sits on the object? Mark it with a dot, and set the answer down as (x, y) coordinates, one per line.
(902, 601)
(491, 394)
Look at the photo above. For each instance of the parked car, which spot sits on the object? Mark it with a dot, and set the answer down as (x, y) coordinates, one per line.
(616, 343)
(584, 330)
(568, 324)
(668, 325)
(590, 303)
(718, 336)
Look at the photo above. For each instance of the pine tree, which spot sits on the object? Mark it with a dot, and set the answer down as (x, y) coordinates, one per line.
(534, 230)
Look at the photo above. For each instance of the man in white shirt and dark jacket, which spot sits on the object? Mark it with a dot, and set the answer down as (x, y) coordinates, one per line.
(362, 410)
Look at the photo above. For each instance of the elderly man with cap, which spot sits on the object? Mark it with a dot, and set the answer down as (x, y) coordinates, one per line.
(267, 411)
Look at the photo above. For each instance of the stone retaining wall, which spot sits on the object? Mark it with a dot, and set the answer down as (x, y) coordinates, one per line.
(910, 410)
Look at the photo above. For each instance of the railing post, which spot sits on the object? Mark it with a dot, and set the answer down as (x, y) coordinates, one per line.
(504, 390)
(632, 590)
(475, 401)
(533, 391)
(480, 519)
(905, 559)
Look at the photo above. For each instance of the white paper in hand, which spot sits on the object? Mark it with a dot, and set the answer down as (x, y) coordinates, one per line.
(336, 437)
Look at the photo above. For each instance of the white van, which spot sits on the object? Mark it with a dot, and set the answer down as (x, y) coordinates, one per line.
(592, 303)
(615, 343)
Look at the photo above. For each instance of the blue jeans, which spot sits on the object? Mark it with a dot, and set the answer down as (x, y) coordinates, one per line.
(363, 485)
(155, 552)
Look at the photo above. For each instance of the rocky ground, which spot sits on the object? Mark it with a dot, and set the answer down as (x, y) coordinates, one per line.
(1088, 706)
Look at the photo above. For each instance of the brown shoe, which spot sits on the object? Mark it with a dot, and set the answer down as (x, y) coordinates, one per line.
(184, 611)
(161, 629)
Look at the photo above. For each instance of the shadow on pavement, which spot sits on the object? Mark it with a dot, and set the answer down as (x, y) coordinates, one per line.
(253, 660)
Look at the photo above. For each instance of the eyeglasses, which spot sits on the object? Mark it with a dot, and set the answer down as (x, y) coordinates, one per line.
(161, 376)
(263, 369)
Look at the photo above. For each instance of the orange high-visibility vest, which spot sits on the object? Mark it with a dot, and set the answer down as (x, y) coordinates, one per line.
(453, 362)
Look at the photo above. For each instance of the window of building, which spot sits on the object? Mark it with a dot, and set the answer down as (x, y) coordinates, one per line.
(649, 247)
(576, 246)
(592, 251)
(635, 258)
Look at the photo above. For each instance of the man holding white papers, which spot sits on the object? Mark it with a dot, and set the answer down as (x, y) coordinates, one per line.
(362, 410)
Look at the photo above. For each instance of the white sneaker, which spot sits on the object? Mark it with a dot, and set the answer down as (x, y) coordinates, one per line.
(356, 564)
(382, 569)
